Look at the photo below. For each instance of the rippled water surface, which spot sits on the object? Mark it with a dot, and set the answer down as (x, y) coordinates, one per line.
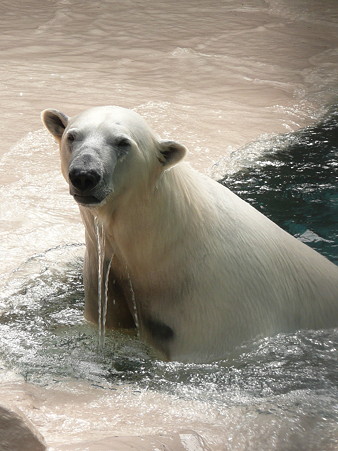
(284, 386)
(294, 182)
(249, 88)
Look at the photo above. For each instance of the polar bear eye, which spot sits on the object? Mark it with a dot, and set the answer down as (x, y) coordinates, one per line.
(123, 142)
(71, 137)
(122, 146)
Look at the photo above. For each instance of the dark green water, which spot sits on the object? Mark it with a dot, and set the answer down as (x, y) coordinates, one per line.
(295, 183)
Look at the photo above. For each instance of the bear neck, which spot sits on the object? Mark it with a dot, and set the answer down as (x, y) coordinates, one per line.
(145, 227)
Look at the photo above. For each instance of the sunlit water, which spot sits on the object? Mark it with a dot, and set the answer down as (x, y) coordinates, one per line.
(233, 81)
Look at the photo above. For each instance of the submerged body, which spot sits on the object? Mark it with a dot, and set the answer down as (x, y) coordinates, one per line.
(198, 269)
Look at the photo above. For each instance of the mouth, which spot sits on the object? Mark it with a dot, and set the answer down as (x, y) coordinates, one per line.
(88, 201)
(91, 198)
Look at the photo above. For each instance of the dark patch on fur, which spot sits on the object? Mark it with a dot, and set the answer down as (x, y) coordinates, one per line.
(158, 330)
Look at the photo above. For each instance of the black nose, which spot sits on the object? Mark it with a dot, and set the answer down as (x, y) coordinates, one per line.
(84, 179)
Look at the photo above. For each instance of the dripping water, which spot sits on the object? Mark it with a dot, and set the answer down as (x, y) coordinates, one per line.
(105, 298)
(103, 272)
(133, 303)
(102, 281)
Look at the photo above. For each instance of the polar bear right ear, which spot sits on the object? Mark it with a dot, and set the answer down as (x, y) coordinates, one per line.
(171, 152)
(55, 122)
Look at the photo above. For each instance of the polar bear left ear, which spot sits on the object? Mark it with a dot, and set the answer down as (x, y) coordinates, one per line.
(55, 122)
(171, 152)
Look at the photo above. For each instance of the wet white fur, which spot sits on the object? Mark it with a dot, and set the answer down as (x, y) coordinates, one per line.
(200, 259)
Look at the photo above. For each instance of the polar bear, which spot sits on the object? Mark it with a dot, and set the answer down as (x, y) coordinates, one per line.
(197, 269)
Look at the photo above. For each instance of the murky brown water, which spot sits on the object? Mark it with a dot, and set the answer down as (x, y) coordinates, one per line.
(211, 74)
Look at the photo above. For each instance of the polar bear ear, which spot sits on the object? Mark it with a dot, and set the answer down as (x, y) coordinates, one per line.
(55, 122)
(171, 152)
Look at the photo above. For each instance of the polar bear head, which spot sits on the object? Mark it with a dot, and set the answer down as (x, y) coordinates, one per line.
(107, 151)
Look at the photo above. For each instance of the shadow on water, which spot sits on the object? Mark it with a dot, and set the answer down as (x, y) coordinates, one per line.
(294, 183)
(44, 337)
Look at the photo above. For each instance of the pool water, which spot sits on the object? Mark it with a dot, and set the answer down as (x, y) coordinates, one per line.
(294, 183)
(214, 76)
(284, 386)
